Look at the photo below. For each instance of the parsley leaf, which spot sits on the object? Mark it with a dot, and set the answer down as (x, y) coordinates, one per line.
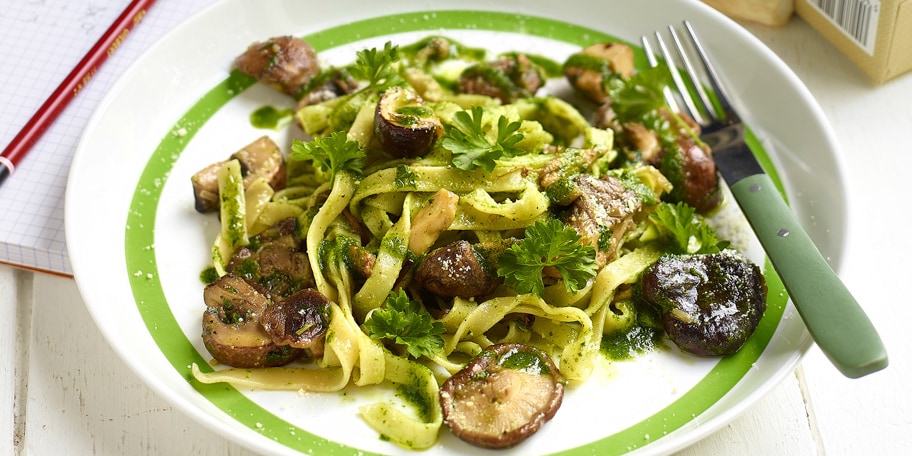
(376, 67)
(405, 322)
(685, 230)
(640, 94)
(466, 139)
(333, 154)
(547, 243)
(405, 177)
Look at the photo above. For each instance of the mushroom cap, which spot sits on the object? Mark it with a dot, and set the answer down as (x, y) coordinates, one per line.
(503, 396)
(710, 303)
(403, 126)
(231, 326)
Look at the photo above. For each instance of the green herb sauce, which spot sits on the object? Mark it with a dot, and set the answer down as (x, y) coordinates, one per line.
(208, 275)
(631, 343)
(552, 68)
(525, 361)
(405, 177)
(269, 117)
(415, 393)
(456, 50)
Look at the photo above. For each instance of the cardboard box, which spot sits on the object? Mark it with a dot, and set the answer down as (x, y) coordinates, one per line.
(875, 34)
(766, 12)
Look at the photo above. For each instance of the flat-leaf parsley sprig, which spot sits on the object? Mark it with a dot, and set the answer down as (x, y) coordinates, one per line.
(404, 322)
(685, 230)
(332, 154)
(547, 243)
(376, 66)
(466, 139)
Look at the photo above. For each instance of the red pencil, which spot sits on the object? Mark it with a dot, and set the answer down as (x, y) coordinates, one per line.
(70, 87)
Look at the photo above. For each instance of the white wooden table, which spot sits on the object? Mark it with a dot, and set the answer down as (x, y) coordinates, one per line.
(64, 391)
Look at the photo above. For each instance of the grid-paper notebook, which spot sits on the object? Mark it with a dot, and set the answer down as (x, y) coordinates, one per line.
(40, 43)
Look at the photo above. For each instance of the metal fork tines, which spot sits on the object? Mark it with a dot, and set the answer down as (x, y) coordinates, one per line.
(699, 114)
(833, 317)
(721, 125)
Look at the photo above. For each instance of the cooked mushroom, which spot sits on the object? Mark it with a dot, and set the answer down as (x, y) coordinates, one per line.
(274, 262)
(710, 304)
(503, 396)
(435, 49)
(432, 220)
(206, 189)
(602, 212)
(261, 158)
(329, 84)
(692, 172)
(643, 140)
(285, 63)
(362, 261)
(588, 69)
(231, 326)
(456, 269)
(299, 321)
(507, 78)
(403, 125)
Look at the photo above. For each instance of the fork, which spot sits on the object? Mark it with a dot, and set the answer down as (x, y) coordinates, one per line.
(833, 317)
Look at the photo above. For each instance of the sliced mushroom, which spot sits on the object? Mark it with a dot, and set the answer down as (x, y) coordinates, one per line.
(456, 269)
(274, 262)
(507, 78)
(403, 125)
(206, 189)
(261, 158)
(642, 139)
(432, 220)
(299, 321)
(503, 396)
(710, 304)
(285, 63)
(436, 49)
(602, 213)
(330, 84)
(231, 326)
(692, 172)
(588, 69)
(361, 260)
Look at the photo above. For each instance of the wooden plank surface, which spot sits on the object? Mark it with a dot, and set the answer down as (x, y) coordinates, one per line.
(62, 386)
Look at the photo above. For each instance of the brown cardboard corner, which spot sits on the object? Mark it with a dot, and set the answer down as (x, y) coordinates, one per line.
(899, 58)
(892, 46)
(766, 12)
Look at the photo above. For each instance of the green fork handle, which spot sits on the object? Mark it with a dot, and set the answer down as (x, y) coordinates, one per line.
(833, 317)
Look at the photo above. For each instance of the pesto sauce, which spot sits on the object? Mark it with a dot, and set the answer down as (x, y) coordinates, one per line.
(552, 68)
(495, 76)
(414, 111)
(415, 393)
(457, 50)
(395, 246)
(405, 177)
(269, 117)
(628, 344)
(208, 275)
(525, 361)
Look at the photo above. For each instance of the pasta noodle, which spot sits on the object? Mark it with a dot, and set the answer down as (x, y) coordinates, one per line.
(401, 209)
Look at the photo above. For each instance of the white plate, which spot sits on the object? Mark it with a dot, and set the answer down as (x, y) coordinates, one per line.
(137, 245)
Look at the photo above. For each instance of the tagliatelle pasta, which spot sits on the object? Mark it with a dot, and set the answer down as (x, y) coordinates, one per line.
(538, 160)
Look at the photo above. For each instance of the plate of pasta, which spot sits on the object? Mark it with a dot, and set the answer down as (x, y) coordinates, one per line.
(441, 227)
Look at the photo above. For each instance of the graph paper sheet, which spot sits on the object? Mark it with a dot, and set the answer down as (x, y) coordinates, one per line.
(41, 41)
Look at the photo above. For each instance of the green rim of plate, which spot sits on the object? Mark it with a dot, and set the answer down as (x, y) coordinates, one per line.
(180, 352)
